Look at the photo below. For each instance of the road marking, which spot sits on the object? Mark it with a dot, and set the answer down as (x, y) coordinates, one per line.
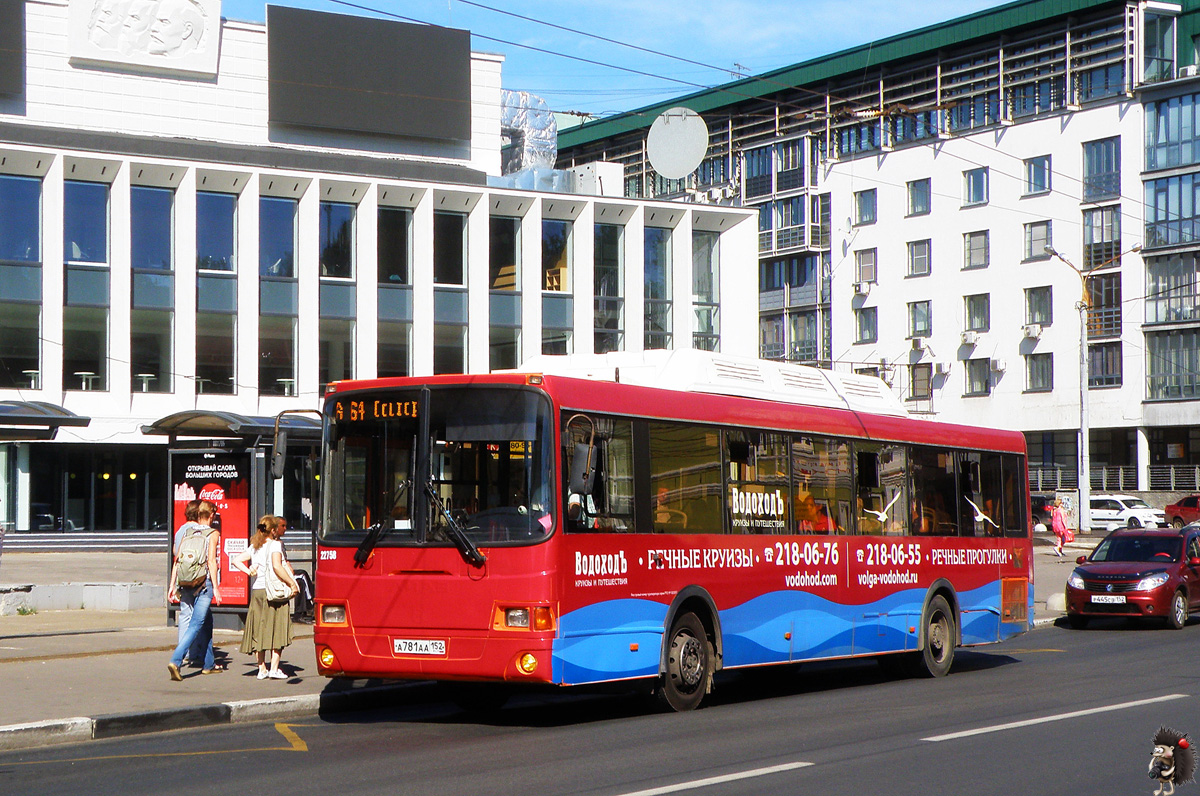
(286, 731)
(297, 744)
(701, 783)
(1057, 717)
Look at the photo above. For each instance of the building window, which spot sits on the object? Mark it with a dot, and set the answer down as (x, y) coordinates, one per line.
(1102, 169)
(1039, 372)
(215, 337)
(150, 346)
(979, 381)
(1172, 135)
(1104, 312)
(803, 346)
(276, 355)
(1101, 237)
(504, 347)
(216, 231)
(919, 197)
(975, 187)
(337, 240)
(658, 288)
(277, 237)
(608, 272)
(150, 228)
(336, 361)
(1173, 364)
(449, 250)
(393, 248)
(20, 346)
(1172, 288)
(1104, 365)
(713, 171)
(706, 295)
(1039, 305)
(921, 381)
(977, 249)
(1172, 214)
(556, 255)
(85, 348)
(772, 338)
(864, 266)
(85, 222)
(867, 321)
(504, 253)
(790, 161)
(1037, 240)
(978, 312)
(919, 257)
(758, 172)
(1037, 175)
(20, 219)
(920, 319)
(1158, 53)
(449, 348)
(864, 207)
(393, 350)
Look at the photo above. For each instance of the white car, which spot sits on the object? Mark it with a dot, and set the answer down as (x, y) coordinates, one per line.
(1125, 511)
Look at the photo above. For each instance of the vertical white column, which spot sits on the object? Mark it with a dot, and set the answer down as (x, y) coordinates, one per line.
(52, 278)
(185, 291)
(682, 311)
(1142, 458)
(477, 272)
(739, 286)
(635, 281)
(120, 284)
(308, 289)
(24, 506)
(248, 268)
(531, 282)
(366, 277)
(583, 282)
(422, 286)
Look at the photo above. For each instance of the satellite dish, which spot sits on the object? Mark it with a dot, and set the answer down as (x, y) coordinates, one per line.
(677, 142)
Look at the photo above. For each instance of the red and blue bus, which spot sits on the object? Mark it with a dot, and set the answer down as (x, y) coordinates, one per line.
(576, 524)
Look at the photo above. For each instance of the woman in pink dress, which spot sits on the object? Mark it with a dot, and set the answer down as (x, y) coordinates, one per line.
(1058, 524)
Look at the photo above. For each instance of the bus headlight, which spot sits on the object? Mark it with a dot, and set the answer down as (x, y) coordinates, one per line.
(516, 617)
(333, 614)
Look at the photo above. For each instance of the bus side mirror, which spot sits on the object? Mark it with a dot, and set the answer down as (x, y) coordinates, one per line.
(583, 474)
(279, 454)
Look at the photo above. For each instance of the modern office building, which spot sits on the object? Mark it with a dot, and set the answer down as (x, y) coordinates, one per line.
(933, 207)
(203, 214)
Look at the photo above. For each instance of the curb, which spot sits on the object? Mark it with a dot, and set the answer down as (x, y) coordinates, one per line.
(114, 725)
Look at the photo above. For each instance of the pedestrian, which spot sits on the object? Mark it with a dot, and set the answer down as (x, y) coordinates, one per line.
(196, 653)
(268, 623)
(1058, 524)
(196, 576)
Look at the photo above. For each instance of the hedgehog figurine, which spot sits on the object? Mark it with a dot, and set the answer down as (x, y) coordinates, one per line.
(1172, 762)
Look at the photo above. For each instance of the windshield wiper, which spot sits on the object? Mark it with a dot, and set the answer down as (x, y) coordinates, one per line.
(376, 530)
(455, 530)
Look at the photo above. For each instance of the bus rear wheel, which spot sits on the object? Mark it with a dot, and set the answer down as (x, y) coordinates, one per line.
(940, 635)
(688, 676)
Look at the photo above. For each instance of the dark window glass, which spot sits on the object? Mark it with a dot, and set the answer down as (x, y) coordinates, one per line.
(935, 492)
(214, 353)
(685, 479)
(20, 218)
(337, 240)
(449, 249)
(504, 257)
(881, 473)
(216, 242)
(20, 346)
(85, 222)
(394, 252)
(150, 228)
(758, 495)
(277, 237)
(150, 351)
(609, 506)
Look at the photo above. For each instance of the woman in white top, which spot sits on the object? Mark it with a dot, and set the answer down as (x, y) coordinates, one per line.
(268, 624)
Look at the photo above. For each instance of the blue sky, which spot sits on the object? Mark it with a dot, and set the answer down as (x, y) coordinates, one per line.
(754, 35)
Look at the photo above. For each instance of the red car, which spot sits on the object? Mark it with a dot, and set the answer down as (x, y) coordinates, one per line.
(1186, 511)
(1135, 572)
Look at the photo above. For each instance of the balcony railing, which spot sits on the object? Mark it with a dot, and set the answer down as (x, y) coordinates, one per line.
(1175, 477)
(1103, 479)
(1104, 322)
(1114, 478)
(1052, 479)
(1173, 386)
(1173, 309)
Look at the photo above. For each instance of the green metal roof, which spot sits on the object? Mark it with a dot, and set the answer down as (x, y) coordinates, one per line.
(903, 46)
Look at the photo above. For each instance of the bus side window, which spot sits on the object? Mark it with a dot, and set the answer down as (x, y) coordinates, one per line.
(881, 489)
(608, 507)
(935, 492)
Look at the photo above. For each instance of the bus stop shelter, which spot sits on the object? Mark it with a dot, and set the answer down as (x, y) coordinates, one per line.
(223, 457)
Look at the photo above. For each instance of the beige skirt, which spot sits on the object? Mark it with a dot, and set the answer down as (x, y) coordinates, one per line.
(268, 625)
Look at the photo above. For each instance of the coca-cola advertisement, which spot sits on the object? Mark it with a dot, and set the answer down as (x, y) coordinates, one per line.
(223, 479)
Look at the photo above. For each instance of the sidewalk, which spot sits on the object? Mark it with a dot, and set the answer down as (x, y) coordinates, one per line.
(74, 675)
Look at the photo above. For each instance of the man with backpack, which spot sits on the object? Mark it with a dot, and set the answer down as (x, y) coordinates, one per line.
(195, 576)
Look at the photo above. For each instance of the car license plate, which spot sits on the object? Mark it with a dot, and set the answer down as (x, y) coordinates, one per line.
(1108, 598)
(418, 646)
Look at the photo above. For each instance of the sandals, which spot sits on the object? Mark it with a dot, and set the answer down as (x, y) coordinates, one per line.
(213, 670)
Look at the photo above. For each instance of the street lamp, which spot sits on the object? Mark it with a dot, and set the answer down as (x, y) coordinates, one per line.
(1084, 305)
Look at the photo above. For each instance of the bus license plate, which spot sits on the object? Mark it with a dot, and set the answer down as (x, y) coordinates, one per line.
(1108, 598)
(418, 646)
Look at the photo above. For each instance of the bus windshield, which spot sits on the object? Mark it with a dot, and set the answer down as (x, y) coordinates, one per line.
(485, 465)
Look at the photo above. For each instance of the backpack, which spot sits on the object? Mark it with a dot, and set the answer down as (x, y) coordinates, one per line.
(193, 557)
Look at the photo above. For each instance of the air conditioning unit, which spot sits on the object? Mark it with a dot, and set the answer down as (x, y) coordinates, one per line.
(999, 365)
(941, 368)
(862, 288)
(1189, 71)
(969, 337)
(1032, 330)
(918, 344)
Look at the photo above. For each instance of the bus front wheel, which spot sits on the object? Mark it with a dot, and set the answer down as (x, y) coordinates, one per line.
(688, 676)
(938, 652)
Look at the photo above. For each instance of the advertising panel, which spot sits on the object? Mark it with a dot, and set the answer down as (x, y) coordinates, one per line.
(222, 478)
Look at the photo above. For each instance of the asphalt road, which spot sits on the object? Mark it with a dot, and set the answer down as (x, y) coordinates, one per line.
(1055, 711)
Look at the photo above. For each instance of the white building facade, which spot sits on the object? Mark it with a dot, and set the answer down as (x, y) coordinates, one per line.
(191, 228)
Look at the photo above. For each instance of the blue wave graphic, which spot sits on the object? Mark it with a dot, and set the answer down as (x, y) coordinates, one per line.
(623, 638)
